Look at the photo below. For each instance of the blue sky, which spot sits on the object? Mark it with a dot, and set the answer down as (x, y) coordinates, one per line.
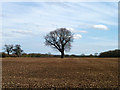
(94, 24)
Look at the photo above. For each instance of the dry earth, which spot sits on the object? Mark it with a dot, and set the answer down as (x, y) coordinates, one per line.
(59, 73)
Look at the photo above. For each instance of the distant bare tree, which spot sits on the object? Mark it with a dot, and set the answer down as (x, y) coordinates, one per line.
(17, 50)
(8, 48)
(60, 39)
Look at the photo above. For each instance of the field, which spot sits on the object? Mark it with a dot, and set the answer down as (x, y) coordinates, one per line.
(59, 73)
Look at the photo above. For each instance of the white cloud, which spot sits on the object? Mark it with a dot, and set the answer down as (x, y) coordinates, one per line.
(100, 27)
(77, 36)
(75, 31)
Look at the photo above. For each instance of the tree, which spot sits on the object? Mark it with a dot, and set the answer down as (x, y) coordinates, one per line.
(90, 55)
(59, 39)
(96, 54)
(8, 48)
(17, 50)
(83, 55)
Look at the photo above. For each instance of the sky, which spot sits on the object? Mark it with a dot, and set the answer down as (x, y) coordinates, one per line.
(94, 24)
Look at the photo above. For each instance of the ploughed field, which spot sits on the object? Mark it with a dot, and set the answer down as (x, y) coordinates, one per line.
(59, 73)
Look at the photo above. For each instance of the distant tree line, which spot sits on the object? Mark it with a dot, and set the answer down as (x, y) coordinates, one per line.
(113, 53)
(16, 51)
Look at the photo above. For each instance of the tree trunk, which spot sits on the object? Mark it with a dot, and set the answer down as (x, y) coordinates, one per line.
(8, 53)
(62, 54)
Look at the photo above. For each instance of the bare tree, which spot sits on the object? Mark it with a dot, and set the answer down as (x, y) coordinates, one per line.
(60, 39)
(17, 50)
(8, 48)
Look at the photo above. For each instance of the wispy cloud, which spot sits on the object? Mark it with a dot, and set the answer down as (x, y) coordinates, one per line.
(47, 16)
(31, 19)
(83, 31)
(23, 32)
